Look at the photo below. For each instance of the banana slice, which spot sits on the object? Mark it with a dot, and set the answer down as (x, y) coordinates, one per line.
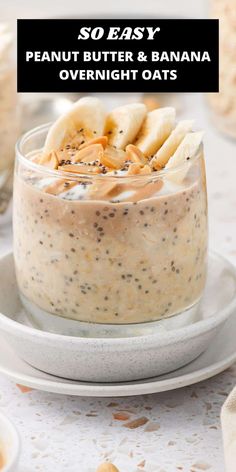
(124, 123)
(155, 130)
(183, 155)
(171, 144)
(84, 121)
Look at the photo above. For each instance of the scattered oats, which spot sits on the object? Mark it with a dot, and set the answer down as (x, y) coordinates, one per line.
(136, 423)
(201, 466)
(121, 416)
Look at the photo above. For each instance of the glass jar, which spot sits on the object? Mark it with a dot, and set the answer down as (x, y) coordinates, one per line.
(223, 104)
(108, 250)
(9, 116)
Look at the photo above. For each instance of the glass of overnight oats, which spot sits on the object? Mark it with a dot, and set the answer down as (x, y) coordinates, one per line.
(9, 117)
(110, 217)
(223, 103)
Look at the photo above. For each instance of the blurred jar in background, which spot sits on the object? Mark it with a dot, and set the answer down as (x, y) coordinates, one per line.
(223, 104)
(9, 116)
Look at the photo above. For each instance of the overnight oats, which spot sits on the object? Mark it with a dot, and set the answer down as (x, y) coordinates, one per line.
(9, 116)
(110, 215)
(223, 103)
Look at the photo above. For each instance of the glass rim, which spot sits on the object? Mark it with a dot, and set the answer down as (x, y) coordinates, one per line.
(72, 176)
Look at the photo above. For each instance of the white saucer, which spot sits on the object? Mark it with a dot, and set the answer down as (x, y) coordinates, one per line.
(219, 356)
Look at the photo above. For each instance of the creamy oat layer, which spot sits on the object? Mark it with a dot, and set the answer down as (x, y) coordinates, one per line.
(122, 239)
(8, 101)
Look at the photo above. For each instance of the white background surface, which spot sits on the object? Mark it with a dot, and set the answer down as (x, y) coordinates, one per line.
(76, 434)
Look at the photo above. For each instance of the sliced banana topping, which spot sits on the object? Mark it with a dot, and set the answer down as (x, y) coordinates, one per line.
(155, 130)
(167, 150)
(129, 142)
(183, 155)
(84, 121)
(124, 123)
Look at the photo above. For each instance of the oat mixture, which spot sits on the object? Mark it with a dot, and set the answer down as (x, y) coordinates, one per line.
(8, 101)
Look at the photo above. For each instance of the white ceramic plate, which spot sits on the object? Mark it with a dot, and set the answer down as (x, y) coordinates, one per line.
(161, 350)
(218, 357)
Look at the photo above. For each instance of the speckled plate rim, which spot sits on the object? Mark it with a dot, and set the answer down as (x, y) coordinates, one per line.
(58, 385)
(164, 338)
